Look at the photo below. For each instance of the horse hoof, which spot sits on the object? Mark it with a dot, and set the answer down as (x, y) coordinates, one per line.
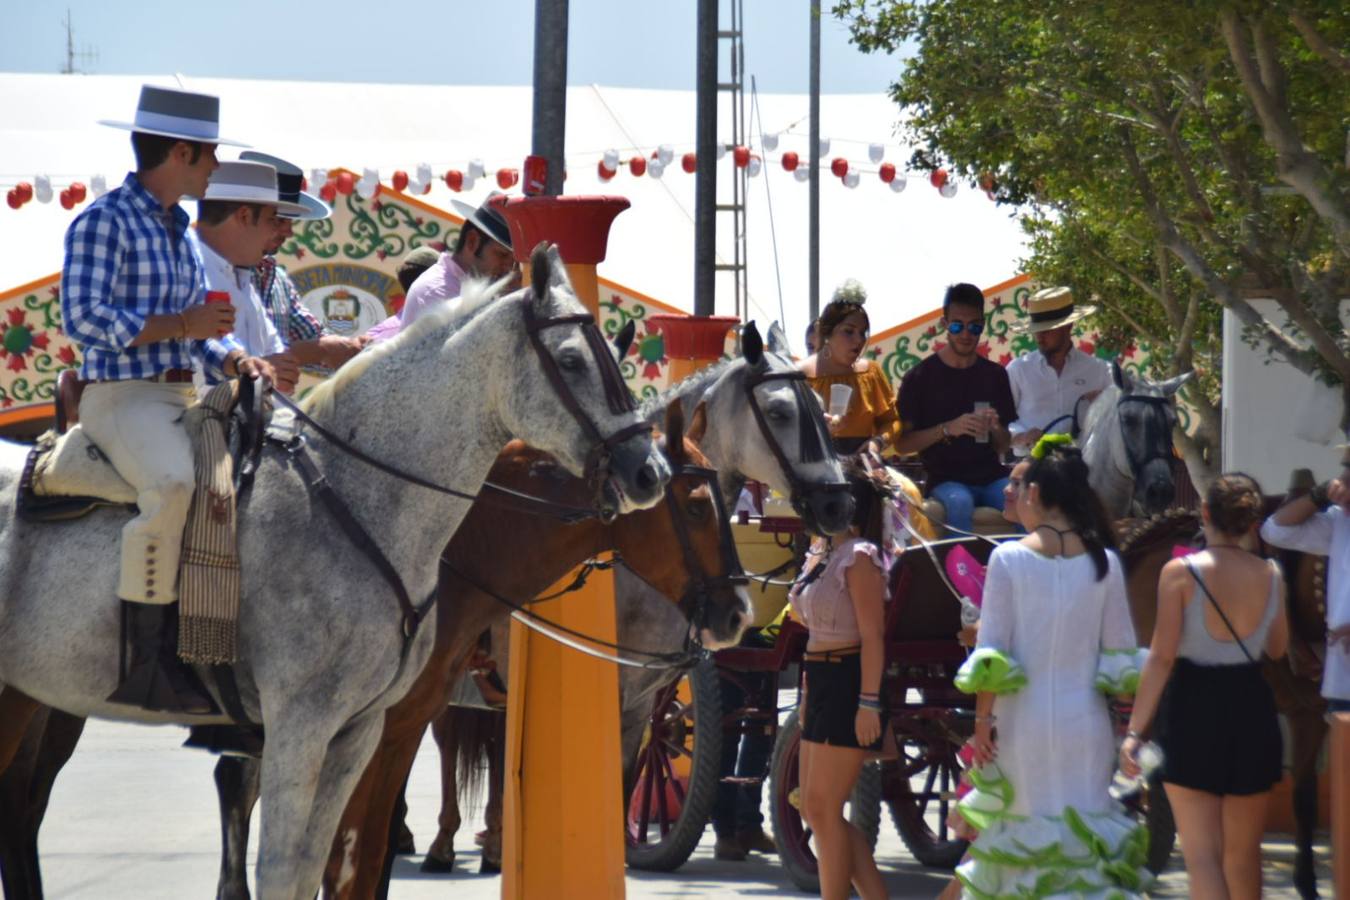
(406, 845)
(1305, 882)
(438, 865)
(488, 867)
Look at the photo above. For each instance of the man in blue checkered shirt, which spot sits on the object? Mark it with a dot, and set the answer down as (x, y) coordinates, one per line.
(132, 298)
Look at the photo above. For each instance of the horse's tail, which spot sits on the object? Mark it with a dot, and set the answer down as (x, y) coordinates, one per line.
(1141, 535)
(477, 732)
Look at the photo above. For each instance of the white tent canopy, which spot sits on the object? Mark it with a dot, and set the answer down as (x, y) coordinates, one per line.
(904, 247)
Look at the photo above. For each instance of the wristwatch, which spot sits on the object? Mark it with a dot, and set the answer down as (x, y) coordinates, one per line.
(946, 435)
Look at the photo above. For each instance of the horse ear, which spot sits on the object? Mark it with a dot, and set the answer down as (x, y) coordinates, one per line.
(752, 345)
(541, 271)
(624, 339)
(698, 424)
(675, 434)
(777, 339)
(1118, 375)
(1172, 385)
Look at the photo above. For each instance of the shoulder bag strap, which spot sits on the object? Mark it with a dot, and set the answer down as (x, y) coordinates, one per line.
(1190, 567)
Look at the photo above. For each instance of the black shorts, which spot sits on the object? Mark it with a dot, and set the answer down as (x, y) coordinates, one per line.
(1218, 730)
(832, 702)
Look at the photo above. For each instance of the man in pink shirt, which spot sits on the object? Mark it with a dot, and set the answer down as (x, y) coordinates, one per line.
(483, 250)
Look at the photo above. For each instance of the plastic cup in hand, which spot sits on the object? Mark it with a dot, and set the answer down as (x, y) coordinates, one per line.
(217, 296)
(1123, 788)
(840, 395)
(982, 409)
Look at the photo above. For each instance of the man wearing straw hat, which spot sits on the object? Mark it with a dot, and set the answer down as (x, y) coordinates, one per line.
(1319, 522)
(299, 329)
(1050, 384)
(132, 298)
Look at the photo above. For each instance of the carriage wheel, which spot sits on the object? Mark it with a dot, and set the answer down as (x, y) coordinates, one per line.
(668, 811)
(790, 833)
(921, 791)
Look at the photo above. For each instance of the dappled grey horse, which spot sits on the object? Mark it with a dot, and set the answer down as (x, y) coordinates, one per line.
(438, 402)
(1127, 444)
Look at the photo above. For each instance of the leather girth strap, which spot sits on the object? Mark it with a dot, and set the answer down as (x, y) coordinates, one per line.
(342, 514)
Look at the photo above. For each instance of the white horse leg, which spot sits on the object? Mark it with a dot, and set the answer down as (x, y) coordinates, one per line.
(348, 755)
(291, 767)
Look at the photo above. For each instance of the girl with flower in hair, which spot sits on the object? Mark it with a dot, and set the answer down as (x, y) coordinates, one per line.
(1055, 636)
(870, 422)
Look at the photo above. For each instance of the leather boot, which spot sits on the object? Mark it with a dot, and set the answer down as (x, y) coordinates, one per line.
(154, 679)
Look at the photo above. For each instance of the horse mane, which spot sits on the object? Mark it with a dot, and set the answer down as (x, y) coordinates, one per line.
(1100, 408)
(653, 409)
(474, 297)
(1172, 526)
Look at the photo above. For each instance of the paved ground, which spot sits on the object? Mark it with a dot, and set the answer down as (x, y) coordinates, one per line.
(133, 816)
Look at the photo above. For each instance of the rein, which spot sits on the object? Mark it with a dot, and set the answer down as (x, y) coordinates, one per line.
(701, 586)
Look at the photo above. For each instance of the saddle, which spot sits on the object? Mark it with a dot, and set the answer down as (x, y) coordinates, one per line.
(67, 476)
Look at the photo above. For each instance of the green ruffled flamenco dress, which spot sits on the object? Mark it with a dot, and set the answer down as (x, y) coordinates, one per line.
(1087, 847)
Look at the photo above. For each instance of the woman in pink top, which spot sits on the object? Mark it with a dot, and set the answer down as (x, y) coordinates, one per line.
(839, 599)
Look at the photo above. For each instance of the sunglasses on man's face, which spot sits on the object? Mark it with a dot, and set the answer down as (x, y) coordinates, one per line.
(975, 328)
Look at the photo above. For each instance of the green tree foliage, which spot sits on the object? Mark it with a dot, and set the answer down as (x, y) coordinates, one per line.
(1170, 159)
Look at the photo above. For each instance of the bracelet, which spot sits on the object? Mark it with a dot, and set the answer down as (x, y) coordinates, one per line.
(870, 705)
(946, 435)
(1134, 734)
(986, 718)
(872, 694)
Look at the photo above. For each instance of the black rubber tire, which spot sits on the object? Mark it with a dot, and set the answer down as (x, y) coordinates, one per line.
(1162, 828)
(789, 831)
(704, 719)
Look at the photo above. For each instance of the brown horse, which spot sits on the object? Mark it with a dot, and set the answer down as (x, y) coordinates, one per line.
(518, 554)
(1146, 546)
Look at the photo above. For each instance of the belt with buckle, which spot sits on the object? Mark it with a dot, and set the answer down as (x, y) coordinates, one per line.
(168, 376)
(833, 656)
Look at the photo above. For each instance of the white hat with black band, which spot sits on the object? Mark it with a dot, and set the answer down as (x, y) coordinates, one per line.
(248, 182)
(177, 114)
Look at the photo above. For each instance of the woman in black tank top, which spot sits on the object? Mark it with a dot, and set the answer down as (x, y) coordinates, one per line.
(1203, 693)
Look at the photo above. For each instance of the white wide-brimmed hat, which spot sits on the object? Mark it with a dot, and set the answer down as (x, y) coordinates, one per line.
(289, 180)
(249, 182)
(177, 114)
(1051, 308)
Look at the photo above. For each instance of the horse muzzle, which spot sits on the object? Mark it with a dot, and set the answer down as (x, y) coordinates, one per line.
(636, 478)
(826, 510)
(720, 616)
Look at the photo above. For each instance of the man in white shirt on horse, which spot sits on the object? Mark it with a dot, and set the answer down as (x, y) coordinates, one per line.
(1053, 385)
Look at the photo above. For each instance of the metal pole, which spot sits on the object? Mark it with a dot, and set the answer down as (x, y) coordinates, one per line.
(813, 238)
(550, 89)
(705, 176)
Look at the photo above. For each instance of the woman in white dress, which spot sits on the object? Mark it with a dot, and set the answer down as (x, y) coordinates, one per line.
(1055, 636)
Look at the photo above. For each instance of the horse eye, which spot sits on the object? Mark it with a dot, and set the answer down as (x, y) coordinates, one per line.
(779, 415)
(699, 508)
(571, 361)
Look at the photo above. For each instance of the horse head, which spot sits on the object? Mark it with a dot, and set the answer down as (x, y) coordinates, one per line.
(684, 548)
(1128, 443)
(570, 398)
(759, 420)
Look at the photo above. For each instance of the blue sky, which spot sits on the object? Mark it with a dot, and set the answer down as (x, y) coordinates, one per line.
(639, 43)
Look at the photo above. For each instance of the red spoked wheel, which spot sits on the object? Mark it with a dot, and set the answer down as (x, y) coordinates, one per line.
(669, 809)
(790, 832)
(920, 787)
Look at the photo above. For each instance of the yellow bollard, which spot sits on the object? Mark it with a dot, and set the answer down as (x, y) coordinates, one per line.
(562, 834)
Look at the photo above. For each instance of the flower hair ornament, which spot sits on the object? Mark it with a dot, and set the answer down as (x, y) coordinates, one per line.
(851, 292)
(1049, 442)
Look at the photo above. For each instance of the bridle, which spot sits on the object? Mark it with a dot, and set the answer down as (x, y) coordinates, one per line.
(617, 396)
(702, 585)
(1155, 446)
(695, 602)
(813, 441)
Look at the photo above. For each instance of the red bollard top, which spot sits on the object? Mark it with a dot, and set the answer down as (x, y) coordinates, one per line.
(578, 225)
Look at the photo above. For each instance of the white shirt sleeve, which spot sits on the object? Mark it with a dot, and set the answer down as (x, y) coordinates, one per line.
(1017, 426)
(1117, 626)
(1312, 535)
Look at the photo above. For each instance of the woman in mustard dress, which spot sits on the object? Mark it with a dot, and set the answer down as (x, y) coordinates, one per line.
(871, 421)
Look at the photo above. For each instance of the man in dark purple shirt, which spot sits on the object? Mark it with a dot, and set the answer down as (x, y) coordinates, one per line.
(954, 406)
